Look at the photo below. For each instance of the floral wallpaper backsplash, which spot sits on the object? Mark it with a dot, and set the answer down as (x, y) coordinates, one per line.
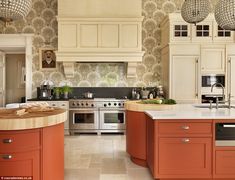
(41, 21)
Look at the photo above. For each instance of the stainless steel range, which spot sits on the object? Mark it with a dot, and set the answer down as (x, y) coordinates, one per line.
(97, 115)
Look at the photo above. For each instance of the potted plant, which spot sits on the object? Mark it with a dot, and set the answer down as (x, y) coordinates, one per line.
(56, 92)
(66, 90)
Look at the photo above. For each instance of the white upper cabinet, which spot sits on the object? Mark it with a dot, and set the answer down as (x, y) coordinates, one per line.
(181, 32)
(213, 59)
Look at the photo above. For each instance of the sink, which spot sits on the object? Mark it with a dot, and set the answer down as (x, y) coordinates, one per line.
(213, 106)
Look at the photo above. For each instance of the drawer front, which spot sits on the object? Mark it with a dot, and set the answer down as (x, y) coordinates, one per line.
(185, 128)
(225, 162)
(26, 164)
(19, 141)
(63, 105)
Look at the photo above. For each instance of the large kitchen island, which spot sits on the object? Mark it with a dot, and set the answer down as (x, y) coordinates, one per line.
(32, 144)
(182, 141)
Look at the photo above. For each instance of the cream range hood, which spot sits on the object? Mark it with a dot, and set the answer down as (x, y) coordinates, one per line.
(99, 31)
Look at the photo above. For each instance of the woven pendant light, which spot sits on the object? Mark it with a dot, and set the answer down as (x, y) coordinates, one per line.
(195, 11)
(14, 9)
(225, 14)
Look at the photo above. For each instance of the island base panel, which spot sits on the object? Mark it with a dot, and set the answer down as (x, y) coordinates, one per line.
(139, 162)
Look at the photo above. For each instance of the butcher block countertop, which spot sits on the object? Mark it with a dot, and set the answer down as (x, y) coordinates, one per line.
(9, 120)
(139, 107)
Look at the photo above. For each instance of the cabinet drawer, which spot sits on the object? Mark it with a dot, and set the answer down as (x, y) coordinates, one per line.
(18, 141)
(225, 162)
(185, 128)
(185, 156)
(25, 164)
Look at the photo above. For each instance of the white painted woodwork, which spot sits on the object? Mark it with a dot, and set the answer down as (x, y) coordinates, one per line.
(212, 60)
(20, 43)
(184, 78)
(208, 21)
(109, 37)
(100, 8)
(168, 29)
(2, 79)
(68, 38)
(100, 31)
(69, 69)
(231, 76)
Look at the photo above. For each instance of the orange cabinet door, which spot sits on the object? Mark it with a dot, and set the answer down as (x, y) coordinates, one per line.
(20, 164)
(225, 163)
(185, 157)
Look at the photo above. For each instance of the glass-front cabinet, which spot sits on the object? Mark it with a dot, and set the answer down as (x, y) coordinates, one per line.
(181, 32)
(202, 31)
(222, 34)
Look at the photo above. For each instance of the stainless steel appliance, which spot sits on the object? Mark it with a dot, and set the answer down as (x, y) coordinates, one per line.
(83, 116)
(45, 92)
(225, 134)
(207, 95)
(112, 116)
(209, 80)
(96, 115)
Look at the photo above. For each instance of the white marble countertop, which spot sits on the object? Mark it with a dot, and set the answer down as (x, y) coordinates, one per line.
(189, 111)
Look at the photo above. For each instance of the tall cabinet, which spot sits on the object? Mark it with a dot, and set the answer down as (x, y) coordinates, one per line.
(188, 52)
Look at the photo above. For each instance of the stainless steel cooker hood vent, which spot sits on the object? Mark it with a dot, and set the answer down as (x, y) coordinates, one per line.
(99, 31)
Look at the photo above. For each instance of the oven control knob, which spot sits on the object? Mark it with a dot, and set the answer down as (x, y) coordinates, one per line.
(82, 104)
(78, 104)
(87, 104)
(115, 104)
(73, 104)
(109, 104)
(105, 105)
(119, 104)
(92, 105)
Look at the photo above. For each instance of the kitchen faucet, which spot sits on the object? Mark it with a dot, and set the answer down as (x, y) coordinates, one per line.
(223, 96)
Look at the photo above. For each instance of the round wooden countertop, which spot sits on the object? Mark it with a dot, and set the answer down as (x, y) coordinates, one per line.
(139, 107)
(9, 120)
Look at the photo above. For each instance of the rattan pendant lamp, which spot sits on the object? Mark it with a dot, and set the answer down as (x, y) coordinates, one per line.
(225, 14)
(195, 11)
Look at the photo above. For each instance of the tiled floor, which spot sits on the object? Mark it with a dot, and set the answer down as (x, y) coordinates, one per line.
(92, 157)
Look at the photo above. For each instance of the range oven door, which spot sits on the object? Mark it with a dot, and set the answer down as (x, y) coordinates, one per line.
(112, 119)
(225, 134)
(83, 119)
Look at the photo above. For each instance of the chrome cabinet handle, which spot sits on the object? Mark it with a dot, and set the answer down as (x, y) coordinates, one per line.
(185, 127)
(7, 141)
(6, 156)
(185, 140)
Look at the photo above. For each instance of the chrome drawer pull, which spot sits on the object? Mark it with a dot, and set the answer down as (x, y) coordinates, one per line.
(7, 141)
(7, 156)
(185, 127)
(185, 140)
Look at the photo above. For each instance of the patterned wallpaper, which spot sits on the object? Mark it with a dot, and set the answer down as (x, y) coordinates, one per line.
(41, 21)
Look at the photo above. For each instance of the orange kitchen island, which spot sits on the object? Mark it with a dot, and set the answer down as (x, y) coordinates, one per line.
(32, 145)
(180, 142)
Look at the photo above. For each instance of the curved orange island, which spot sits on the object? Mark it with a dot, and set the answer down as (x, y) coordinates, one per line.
(32, 145)
(136, 129)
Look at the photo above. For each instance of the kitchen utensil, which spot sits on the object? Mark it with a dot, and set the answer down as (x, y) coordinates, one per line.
(88, 95)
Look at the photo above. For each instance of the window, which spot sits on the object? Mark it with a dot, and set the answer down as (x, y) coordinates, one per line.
(223, 32)
(202, 30)
(181, 30)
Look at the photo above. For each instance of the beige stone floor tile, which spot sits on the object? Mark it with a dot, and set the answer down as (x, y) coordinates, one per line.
(139, 174)
(82, 174)
(113, 177)
(113, 166)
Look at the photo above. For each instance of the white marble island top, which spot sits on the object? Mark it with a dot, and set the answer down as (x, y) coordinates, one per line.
(189, 111)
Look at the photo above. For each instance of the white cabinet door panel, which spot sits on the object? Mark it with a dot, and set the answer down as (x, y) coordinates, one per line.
(109, 36)
(68, 36)
(231, 77)
(89, 35)
(184, 77)
(213, 60)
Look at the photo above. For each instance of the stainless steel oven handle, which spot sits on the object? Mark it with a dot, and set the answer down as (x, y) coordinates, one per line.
(82, 110)
(229, 125)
